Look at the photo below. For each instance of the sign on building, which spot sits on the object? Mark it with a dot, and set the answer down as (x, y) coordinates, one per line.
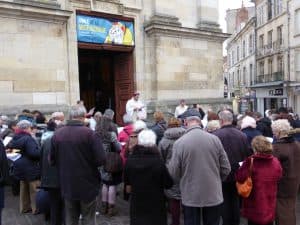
(104, 31)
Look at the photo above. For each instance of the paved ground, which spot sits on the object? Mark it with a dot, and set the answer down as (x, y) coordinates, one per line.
(11, 215)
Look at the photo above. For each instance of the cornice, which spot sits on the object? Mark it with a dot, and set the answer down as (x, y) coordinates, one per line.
(162, 25)
(41, 12)
(158, 30)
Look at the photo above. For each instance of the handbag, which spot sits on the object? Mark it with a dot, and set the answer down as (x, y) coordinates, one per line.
(113, 162)
(244, 189)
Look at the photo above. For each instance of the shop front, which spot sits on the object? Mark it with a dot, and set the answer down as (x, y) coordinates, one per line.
(271, 98)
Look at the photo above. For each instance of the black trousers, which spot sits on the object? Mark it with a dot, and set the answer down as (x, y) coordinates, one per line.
(74, 208)
(231, 205)
(210, 215)
(56, 207)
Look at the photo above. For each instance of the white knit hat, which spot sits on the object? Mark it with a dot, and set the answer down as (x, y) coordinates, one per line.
(248, 121)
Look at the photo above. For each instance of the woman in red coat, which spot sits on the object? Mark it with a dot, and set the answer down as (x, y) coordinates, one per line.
(259, 207)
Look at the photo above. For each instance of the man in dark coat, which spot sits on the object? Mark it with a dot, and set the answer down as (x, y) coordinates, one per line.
(236, 146)
(50, 178)
(263, 125)
(3, 176)
(78, 152)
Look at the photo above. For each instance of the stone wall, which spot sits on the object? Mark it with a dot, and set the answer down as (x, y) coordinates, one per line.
(33, 58)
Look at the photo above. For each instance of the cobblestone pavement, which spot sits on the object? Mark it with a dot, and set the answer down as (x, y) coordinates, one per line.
(11, 215)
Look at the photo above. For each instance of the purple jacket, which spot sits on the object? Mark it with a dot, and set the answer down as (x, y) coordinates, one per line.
(235, 144)
(78, 152)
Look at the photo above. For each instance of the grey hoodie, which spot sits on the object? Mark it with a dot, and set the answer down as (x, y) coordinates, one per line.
(166, 148)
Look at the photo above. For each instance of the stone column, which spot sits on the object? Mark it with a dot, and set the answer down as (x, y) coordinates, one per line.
(208, 11)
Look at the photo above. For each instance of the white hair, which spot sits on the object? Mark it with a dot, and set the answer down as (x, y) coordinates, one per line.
(139, 125)
(248, 121)
(282, 125)
(77, 111)
(147, 138)
(213, 125)
(56, 115)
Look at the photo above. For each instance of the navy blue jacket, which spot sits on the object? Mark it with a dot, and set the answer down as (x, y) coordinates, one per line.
(251, 133)
(27, 167)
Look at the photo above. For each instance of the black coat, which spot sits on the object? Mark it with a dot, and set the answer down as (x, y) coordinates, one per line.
(27, 167)
(3, 166)
(264, 126)
(159, 129)
(236, 146)
(148, 176)
(78, 152)
(49, 174)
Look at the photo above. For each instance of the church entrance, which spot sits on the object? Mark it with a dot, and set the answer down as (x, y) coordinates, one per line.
(106, 79)
(105, 56)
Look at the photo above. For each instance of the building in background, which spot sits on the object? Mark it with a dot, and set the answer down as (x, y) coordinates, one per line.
(234, 22)
(274, 80)
(241, 61)
(53, 53)
(294, 37)
(272, 58)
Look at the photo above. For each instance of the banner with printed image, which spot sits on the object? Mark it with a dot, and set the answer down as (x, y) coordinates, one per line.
(104, 31)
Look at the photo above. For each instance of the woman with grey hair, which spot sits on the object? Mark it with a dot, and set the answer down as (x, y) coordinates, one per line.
(287, 150)
(26, 168)
(146, 177)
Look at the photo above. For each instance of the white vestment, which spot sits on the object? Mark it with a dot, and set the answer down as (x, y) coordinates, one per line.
(138, 114)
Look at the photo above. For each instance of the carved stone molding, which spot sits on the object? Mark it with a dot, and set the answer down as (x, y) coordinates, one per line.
(163, 19)
(107, 6)
(37, 12)
(162, 25)
(46, 3)
(209, 26)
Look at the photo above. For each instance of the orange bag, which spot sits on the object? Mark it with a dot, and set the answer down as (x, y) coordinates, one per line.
(244, 189)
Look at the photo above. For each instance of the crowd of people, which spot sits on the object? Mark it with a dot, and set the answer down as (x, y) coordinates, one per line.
(186, 165)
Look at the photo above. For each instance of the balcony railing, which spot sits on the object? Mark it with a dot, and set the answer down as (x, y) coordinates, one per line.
(271, 48)
(277, 76)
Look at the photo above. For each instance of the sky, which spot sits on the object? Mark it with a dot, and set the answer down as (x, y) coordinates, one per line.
(229, 4)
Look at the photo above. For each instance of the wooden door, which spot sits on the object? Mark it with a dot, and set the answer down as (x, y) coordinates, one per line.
(124, 84)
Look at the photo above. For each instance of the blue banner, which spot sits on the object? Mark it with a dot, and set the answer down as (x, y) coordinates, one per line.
(103, 31)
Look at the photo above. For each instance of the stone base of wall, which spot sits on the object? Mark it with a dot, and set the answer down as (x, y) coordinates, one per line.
(168, 106)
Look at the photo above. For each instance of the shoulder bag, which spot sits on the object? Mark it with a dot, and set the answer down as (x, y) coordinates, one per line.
(244, 189)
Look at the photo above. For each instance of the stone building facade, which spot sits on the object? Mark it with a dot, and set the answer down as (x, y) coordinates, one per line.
(277, 81)
(176, 54)
(241, 67)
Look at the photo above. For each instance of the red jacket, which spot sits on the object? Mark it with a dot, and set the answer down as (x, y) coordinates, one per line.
(123, 138)
(259, 207)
